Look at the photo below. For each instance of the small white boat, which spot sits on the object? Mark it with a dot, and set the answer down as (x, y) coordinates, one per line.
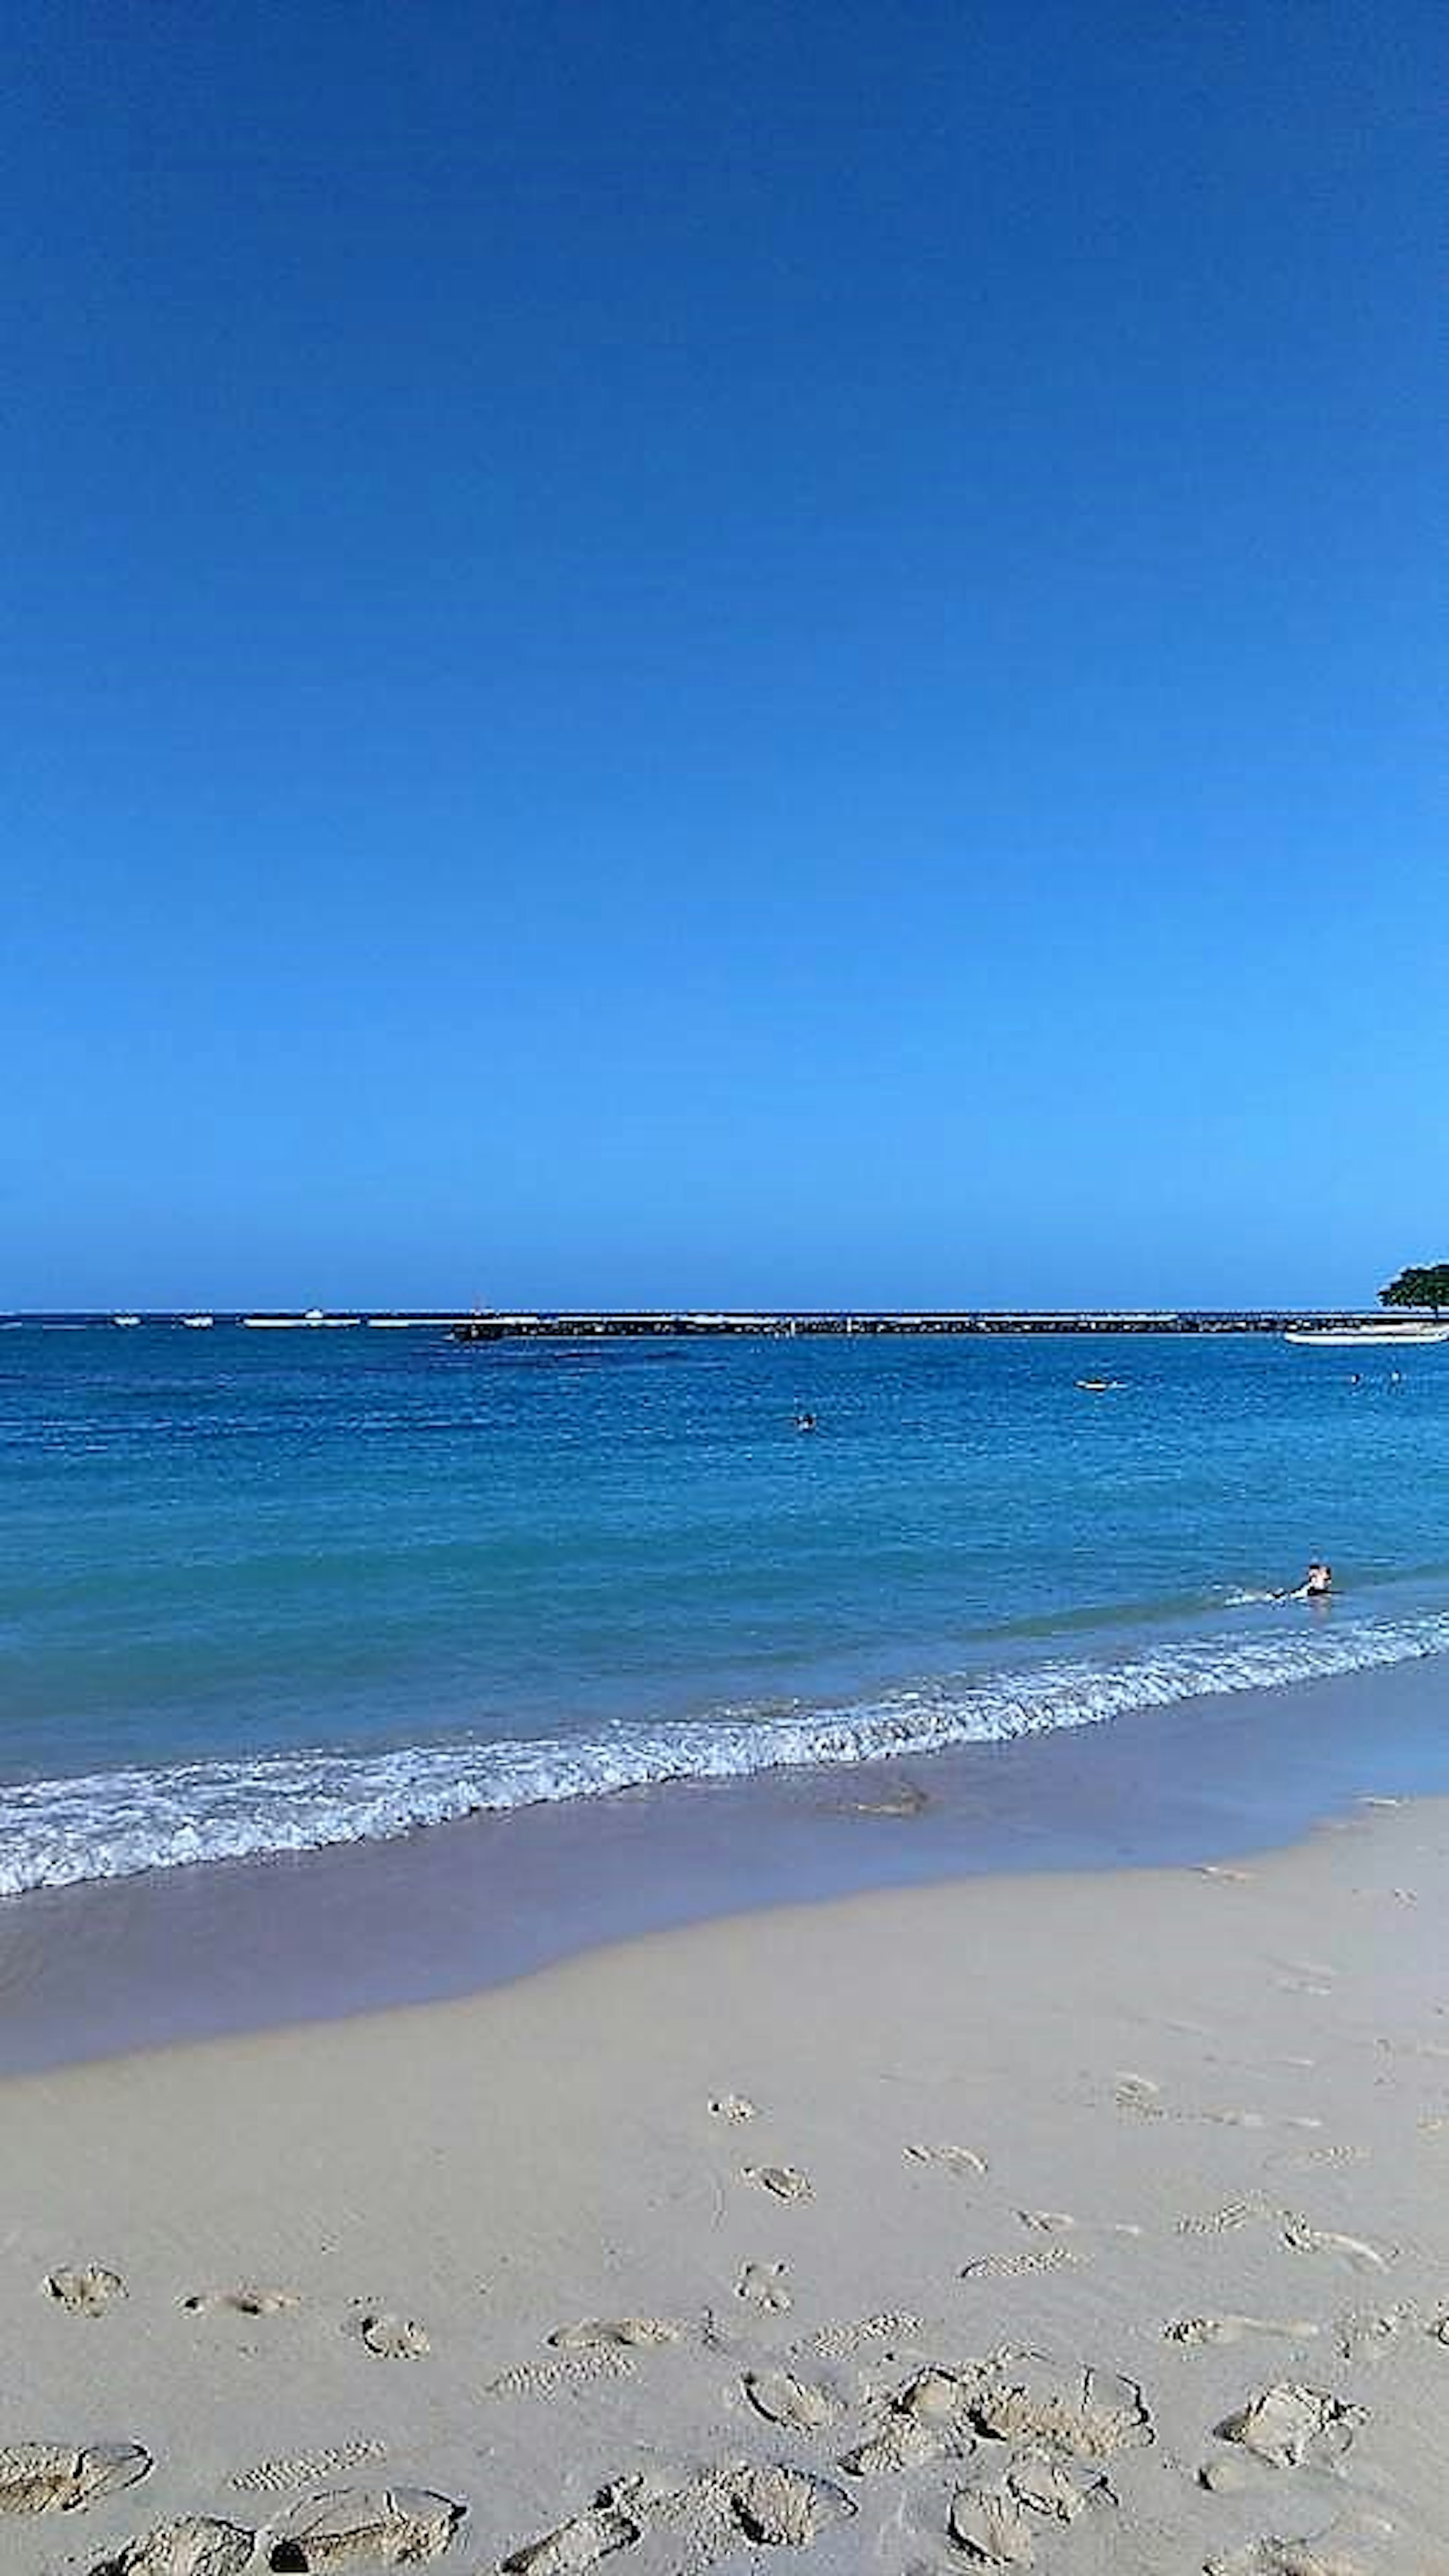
(198, 1323)
(1351, 1336)
(125, 1319)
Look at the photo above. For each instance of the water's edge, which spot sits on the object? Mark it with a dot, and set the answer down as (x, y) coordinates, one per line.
(186, 1954)
(126, 1822)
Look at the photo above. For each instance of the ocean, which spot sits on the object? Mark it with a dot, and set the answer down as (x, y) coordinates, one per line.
(269, 1591)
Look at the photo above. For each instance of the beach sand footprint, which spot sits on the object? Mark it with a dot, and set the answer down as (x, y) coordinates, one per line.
(248, 2299)
(1139, 2094)
(784, 2182)
(84, 2289)
(1290, 2422)
(1227, 2218)
(304, 2468)
(1090, 2414)
(360, 2527)
(924, 2420)
(766, 2285)
(197, 2545)
(1231, 2329)
(701, 2515)
(577, 2371)
(46, 2477)
(783, 2397)
(580, 2542)
(1370, 2334)
(1016, 2267)
(963, 2163)
(1274, 2557)
(839, 2341)
(1356, 2251)
(779, 2507)
(387, 2337)
(626, 2334)
(991, 2526)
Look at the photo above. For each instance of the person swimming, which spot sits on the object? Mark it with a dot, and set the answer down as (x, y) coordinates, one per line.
(805, 1422)
(1317, 1585)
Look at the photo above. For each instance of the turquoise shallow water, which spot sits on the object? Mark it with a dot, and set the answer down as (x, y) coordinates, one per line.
(262, 1591)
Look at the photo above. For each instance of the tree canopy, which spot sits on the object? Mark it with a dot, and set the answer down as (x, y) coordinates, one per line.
(1426, 1285)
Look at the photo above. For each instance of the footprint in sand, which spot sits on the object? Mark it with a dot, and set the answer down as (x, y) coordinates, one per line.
(1090, 2414)
(245, 2301)
(390, 2338)
(359, 2527)
(621, 2332)
(782, 2397)
(1213, 2330)
(962, 2162)
(991, 2526)
(1220, 2222)
(1356, 2251)
(46, 2477)
(785, 2181)
(197, 2545)
(766, 2285)
(923, 2420)
(581, 2542)
(905, 2442)
(783, 2507)
(1282, 2558)
(549, 2378)
(734, 2106)
(888, 2325)
(1290, 2423)
(283, 2477)
(1369, 2334)
(1332, 2155)
(1016, 2267)
(702, 2515)
(84, 2289)
(1138, 2094)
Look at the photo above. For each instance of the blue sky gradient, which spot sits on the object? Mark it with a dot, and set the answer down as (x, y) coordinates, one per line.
(723, 654)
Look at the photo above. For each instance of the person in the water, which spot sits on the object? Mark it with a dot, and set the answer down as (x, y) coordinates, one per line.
(1317, 1584)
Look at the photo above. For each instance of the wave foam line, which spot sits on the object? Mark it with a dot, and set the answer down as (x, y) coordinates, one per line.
(54, 1833)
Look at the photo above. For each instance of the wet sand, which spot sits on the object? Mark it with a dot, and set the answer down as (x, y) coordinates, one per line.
(194, 1953)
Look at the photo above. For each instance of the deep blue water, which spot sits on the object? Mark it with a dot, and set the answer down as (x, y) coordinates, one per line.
(260, 1590)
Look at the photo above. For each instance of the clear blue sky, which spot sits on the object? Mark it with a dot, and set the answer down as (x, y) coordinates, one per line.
(722, 652)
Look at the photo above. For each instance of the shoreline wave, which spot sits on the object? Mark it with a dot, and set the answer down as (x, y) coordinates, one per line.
(59, 1833)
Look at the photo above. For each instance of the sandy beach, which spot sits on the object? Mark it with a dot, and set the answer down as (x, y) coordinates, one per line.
(1095, 2222)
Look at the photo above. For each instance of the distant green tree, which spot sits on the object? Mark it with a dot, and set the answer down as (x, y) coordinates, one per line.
(1425, 1285)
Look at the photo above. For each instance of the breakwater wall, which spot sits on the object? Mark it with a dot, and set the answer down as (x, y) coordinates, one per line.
(486, 1327)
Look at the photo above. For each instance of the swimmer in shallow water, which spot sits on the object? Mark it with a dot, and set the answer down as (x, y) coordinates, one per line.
(1317, 1584)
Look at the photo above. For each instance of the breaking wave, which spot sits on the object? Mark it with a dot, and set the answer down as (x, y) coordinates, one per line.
(54, 1833)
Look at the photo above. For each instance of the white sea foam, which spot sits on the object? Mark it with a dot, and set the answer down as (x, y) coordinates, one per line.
(113, 1825)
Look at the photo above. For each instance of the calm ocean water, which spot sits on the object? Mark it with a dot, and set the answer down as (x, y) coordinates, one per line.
(260, 1591)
